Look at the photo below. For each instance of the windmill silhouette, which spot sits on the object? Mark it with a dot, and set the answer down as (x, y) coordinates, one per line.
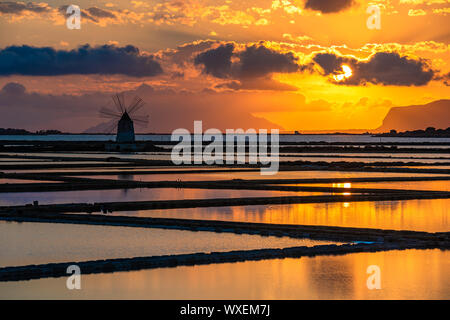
(123, 118)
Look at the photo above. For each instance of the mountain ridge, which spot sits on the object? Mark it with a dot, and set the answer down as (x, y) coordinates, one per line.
(434, 114)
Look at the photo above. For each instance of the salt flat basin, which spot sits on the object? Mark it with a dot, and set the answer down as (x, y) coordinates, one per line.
(428, 167)
(406, 274)
(383, 155)
(357, 159)
(84, 169)
(321, 156)
(151, 169)
(51, 162)
(15, 181)
(418, 215)
(440, 147)
(214, 176)
(39, 243)
(145, 194)
(8, 160)
(443, 185)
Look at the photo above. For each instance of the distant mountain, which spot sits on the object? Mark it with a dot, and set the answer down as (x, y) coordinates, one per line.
(104, 127)
(409, 118)
(435, 114)
(336, 131)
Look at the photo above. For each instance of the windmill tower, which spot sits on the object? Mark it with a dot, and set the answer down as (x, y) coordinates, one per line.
(125, 130)
(124, 118)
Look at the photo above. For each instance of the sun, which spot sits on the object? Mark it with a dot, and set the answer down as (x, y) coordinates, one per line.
(346, 73)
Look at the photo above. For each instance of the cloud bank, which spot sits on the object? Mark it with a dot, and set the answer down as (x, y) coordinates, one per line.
(329, 6)
(385, 68)
(9, 7)
(106, 59)
(226, 61)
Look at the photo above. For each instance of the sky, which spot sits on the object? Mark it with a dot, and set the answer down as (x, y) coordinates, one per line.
(306, 65)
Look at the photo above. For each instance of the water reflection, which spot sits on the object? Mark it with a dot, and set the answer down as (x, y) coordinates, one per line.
(91, 196)
(36, 243)
(408, 274)
(420, 215)
(210, 176)
(125, 177)
(443, 185)
(346, 185)
(16, 181)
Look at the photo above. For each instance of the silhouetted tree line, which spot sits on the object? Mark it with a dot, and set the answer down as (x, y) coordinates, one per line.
(11, 131)
(428, 132)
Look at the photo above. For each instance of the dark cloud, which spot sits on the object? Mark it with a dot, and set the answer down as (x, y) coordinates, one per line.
(257, 61)
(386, 68)
(217, 62)
(253, 62)
(101, 13)
(329, 62)
(233, 85)
(9, 7)
(256, 84)
(13, 88)
(328, 6)
(106, 59)
(184, 54)
(93, 14)
(444, 78)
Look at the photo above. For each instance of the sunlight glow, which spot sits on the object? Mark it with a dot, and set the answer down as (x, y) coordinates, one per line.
(346, 73)
(345, 185)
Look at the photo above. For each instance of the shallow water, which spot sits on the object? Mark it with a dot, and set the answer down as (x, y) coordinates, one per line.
(382, 155)
(7, 160)
(443, 185)
(145, 194)
(294, 156)
(74, 171)
(37, 243)
(210, 176)
(447, 167)
(50, 163)
(407, 274)
(15, 181)
(71, 170)
(330, 158)
(418, 215)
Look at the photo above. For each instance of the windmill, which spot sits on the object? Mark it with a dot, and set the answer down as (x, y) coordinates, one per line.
(123, 118)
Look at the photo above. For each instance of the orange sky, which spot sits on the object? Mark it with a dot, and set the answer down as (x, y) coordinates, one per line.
(284, 83)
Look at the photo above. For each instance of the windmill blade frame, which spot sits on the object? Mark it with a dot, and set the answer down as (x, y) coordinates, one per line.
(135, 105)
(141, 121)
(106, 112)
(119, 102)
(111, 127)
(141, 124)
